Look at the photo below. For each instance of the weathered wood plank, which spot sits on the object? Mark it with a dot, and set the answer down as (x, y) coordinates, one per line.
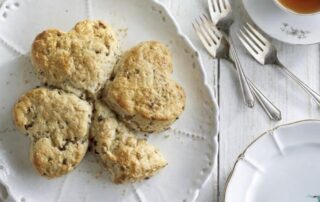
(240, 125)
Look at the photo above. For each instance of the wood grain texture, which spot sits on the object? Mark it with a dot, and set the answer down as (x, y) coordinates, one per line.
(240, 125)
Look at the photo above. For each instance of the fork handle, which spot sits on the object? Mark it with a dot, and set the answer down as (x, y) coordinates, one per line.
(273, 112)
(304, 86)
(246, 90)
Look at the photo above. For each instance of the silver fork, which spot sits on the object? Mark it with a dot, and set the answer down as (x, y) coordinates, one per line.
(221, 16)
(265, 53)
(218, 47)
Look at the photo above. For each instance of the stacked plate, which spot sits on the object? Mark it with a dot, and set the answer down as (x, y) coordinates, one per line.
(281, 165)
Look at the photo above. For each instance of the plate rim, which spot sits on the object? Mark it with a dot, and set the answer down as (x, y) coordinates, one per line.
(198, 59)
(242, 154)
(274, 37)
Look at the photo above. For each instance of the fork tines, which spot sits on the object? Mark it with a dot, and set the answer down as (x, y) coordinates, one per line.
(253, 41)
(217, 6)
(207, 31)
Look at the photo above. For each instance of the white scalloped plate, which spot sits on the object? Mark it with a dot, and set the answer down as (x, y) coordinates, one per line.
(281, 165)
(190, 146)
(282, 25)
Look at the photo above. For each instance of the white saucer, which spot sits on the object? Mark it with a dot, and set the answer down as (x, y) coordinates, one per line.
(282, 165)
(284, 26)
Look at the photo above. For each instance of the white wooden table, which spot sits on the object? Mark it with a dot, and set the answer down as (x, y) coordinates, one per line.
(240, 125)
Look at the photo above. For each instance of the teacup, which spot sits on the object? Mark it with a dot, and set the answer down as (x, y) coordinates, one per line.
(300, 7)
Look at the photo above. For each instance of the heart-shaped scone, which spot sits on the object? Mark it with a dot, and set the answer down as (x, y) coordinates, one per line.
(126, 157)
(79, 61)
(142, 91)
(58, 125)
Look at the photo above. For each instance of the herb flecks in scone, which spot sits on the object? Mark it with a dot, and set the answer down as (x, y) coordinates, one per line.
(78, 61)
(58, 125)
(125, 156)
(141, 90)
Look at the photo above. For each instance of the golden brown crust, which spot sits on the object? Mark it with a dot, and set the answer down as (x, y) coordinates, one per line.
(127, 158)
(79, 61)
(57, 124)
(52, 161)
(141, 90)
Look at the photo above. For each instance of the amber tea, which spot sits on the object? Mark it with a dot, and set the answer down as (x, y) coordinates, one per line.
(302, 6)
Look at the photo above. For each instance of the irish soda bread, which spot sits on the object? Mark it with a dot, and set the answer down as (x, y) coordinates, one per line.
(141, 90)
(127, 158)
(57, 124)
(78, 61)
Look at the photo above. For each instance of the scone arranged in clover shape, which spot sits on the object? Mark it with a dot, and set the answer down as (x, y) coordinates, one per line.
(58, 125)
(126, 157)
(78, 61)
(142, 91)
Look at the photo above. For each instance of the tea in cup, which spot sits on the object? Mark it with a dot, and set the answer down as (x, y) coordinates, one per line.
(304, 7)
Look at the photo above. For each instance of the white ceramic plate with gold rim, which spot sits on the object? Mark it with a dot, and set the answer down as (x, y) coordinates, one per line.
(281, 165)
(282, 25)
(190, 146)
